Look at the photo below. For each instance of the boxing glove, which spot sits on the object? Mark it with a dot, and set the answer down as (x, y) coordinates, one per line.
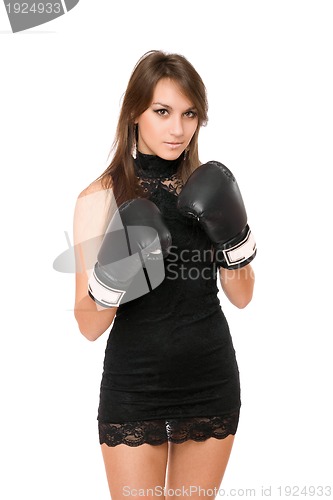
(136, 239)
(211, 195)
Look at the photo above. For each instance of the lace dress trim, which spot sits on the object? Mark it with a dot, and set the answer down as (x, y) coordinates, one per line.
(159, 431)
(153, 173)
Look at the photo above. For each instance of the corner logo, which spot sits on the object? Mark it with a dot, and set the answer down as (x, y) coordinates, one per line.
(25, 15)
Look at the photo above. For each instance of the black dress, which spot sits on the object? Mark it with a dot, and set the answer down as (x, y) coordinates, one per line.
(170, 369)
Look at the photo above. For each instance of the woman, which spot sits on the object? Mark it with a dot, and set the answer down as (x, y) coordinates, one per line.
(170, 392)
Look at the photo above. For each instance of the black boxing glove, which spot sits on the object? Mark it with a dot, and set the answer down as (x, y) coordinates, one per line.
(211, 195)
(136, 239)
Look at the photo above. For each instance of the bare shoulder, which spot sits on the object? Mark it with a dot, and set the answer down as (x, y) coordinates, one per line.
(94, 187)
(96, 198)
(93, 210)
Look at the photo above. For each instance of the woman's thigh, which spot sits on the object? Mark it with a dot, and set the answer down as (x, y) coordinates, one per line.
(195, 464)
(133, 468)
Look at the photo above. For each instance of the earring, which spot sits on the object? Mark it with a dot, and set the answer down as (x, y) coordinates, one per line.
(135, 140)
(186, 153)
(134, 150)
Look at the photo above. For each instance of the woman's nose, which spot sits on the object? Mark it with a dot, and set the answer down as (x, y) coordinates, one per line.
(176, 126)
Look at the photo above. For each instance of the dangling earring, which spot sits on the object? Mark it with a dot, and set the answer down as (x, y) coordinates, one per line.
(135, 140)
(186, 153)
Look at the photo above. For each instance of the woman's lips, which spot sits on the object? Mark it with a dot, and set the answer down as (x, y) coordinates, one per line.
(173, 145)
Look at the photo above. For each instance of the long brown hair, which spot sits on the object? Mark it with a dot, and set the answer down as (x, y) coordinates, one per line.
(151, 67)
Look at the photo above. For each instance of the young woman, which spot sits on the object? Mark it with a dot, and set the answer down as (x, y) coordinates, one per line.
(152, 234)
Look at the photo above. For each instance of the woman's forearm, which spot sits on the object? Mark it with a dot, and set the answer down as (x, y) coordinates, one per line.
(93, 320)
(238, 285)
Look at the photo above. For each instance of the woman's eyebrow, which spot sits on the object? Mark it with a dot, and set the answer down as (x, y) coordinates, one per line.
(191, 108)
(161, 104)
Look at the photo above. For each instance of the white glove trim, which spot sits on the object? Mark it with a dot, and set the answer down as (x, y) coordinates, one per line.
(110, 297)
(242, 251)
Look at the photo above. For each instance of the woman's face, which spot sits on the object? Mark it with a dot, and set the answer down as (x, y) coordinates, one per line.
(167, 126)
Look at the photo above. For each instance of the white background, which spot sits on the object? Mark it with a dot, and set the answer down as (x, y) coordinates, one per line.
(267, 67)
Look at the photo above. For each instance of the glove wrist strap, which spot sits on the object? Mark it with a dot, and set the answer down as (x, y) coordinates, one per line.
(103, 294)
(237, 252)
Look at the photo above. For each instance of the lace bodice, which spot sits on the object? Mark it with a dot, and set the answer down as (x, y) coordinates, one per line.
(154, 173)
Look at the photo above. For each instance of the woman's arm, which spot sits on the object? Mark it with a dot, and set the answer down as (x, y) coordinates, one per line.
(92, 212)
(92, 319)
(238, 285)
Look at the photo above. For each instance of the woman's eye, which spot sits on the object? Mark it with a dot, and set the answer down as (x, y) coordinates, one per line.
(191, 114)
(161, 112)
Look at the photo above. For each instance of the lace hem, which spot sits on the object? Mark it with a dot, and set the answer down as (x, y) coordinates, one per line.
(159, 431)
